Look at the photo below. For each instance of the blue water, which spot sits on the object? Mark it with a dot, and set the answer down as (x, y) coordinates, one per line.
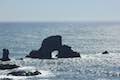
(90, 39)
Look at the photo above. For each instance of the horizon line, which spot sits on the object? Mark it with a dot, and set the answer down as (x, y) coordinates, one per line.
(59, 21)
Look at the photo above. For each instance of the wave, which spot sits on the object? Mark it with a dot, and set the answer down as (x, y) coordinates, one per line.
(98, 66)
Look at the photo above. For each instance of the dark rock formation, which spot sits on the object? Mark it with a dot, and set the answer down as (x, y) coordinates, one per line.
(8, 66)
(51, 44)
(5, 56)
(105, 52)
(34, 54)
(24, 73)
(6, 79)
(48, 45)
(66, 52)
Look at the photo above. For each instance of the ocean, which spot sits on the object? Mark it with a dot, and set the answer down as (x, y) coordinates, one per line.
(89, 39)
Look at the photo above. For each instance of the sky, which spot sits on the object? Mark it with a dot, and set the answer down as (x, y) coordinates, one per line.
(59, 10)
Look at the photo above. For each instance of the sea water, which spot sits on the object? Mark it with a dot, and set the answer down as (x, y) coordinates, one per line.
(89, 39)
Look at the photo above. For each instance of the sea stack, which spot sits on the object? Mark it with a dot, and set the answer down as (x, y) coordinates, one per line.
(51, 44)
(5, 56)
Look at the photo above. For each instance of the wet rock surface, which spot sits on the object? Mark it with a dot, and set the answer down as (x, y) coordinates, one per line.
(24, 73)
(51, 44)
(5, 79)
(8, 66)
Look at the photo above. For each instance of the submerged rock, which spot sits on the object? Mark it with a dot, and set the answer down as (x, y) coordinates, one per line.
(8, 66)
(105, 52)
(6, 79)
(51, 44)
(5, 56)
(24, 73)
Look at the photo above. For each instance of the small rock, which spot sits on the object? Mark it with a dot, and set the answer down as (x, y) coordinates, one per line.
(105, 52)
(7, 66)
(24, 73)
(5, 79)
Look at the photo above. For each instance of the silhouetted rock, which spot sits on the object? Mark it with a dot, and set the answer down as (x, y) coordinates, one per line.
(66, 52)
(5, 56)
(24, 73)
(105, 52)
(48, 45)
(51, 44)
(34, 54)
(8, 66)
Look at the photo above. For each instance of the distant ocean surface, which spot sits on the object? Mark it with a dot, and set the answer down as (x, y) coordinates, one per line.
(86, 38)
(90, 39)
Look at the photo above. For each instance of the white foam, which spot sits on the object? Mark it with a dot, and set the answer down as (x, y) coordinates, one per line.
(13, 77)
(27, 68)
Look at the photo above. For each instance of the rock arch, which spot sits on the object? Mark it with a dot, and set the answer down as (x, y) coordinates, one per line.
(51, 44)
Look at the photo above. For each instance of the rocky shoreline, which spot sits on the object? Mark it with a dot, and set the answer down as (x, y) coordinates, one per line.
(49, 45)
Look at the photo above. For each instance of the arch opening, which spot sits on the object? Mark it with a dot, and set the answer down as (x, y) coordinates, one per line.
(54, 54)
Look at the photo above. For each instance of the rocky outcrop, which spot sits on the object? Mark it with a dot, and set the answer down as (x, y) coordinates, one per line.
(5, 56)
(105, 52)
(24, 73)
(34, 54)
(66, 52)
(8, 66)
(48, 45)
(6, 79)
(51, 44)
